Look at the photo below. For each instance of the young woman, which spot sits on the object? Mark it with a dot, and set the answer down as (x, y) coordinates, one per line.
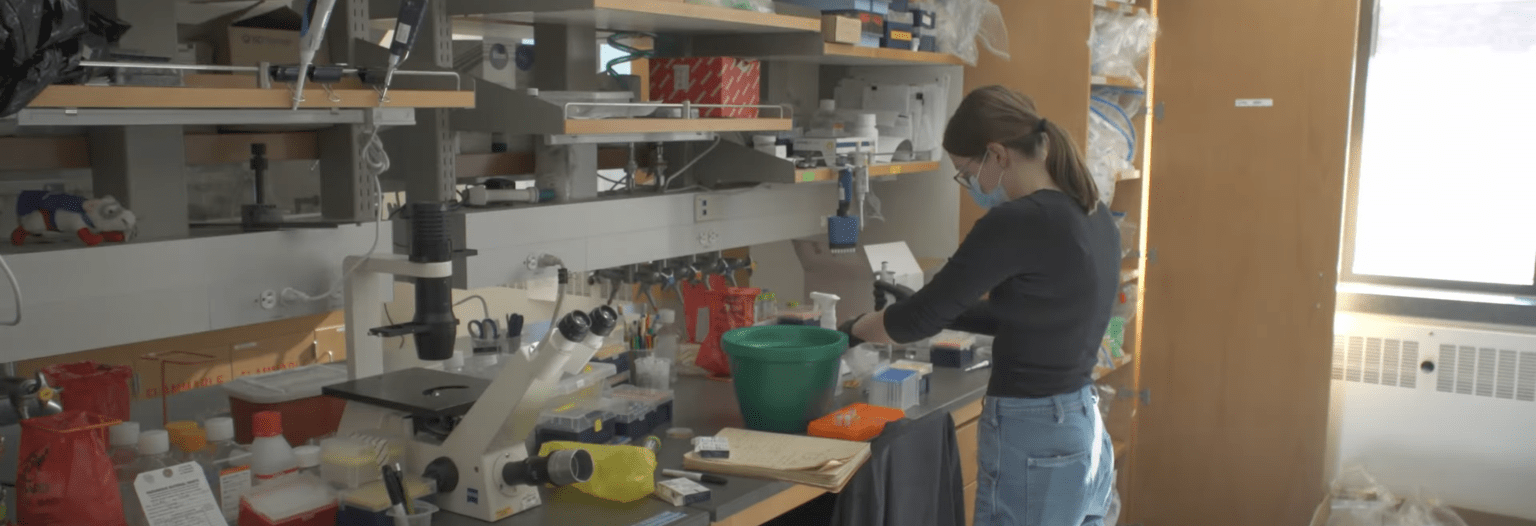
(1047, 255)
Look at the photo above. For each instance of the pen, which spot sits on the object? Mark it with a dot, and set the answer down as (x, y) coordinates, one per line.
(396, 495)
(696, 477)
(405, 496)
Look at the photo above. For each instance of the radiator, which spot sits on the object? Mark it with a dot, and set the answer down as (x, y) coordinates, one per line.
(1432, 406)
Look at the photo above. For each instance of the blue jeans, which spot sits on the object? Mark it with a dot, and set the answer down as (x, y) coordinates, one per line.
(1043, 461)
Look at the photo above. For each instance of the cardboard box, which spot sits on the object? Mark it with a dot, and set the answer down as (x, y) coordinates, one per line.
(253, 35)
(841, 29)
(708, 80)
(869, 23)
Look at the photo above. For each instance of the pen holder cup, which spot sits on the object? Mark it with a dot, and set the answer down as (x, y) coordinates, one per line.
(423, 515)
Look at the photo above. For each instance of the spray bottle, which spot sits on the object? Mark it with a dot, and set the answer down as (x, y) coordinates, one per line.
(827, 304)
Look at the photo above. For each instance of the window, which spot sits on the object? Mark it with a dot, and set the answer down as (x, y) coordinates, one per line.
(1446, 174)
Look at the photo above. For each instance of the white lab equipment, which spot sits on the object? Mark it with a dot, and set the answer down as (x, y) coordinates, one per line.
(827, 304)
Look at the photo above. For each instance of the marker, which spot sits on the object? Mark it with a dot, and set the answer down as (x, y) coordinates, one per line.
(696, 477)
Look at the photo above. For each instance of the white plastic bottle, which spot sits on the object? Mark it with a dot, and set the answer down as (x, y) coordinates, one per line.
(826, 123)
(233, 464)
(271, 456)
(668, 340)
(154, 454)
(124, 439)
(309, 460)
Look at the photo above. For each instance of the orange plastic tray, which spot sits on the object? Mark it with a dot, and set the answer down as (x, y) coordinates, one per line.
(866, 422)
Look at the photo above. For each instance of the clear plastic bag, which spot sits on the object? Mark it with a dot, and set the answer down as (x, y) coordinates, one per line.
(761, 6)
(1356, 499)
(1120, 42)
(960, 23)
(1112, 135)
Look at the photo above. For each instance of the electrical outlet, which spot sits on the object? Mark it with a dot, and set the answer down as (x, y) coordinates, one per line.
(268, 299)
(707, 208)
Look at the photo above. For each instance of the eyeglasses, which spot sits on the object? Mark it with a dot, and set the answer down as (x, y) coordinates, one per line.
(963, 178)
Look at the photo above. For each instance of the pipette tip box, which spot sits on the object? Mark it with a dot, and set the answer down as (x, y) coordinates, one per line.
(895, 388)
(952, 349)
(857, 422)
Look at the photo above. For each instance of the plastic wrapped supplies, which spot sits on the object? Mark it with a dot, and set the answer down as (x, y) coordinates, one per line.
(961, 22)
(1356, 499)
(1120, 42)
(761, 6)
(1112, 135)
(42, 43)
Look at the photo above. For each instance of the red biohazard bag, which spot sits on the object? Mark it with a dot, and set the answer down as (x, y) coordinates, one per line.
(93, 387)
(731, 308)
(64, 475)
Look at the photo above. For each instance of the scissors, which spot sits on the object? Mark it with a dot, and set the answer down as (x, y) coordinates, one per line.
(484, 329)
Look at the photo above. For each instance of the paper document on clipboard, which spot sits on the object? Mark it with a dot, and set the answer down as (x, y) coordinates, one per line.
(822, 462)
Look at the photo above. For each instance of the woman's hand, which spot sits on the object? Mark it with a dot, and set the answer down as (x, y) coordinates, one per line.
(867, 328)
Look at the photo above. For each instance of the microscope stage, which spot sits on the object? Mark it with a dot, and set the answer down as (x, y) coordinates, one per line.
(414, 391)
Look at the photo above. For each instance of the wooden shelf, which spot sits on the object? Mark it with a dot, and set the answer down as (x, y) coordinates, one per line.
(622, 126)
(1101, 371)
(1123, 82)
(1112, 5)
(67, 96)
(850, 55)
(800, 48)
(651, 16)
(814, 175)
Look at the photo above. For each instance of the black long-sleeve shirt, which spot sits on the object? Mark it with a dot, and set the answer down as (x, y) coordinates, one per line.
(1053, 273)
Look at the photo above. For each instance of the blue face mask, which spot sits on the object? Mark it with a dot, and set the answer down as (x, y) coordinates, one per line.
(986, 200)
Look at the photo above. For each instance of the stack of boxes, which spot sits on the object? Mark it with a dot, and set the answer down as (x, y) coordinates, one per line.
(586, 410)
(895, 24)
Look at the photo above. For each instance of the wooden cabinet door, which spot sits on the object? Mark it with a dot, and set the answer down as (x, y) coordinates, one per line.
(1243, 234)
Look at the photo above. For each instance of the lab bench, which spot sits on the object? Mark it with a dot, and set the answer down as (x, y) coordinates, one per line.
(706, 406)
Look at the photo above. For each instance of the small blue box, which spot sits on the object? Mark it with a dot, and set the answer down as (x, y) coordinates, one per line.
(956, 358)
(928, 43)
(870, 40)
(898, 36)
(923, 19)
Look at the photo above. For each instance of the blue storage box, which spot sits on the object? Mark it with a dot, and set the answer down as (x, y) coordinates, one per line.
(949, 357)
(898, 36)
(923, 19)
(928, 43)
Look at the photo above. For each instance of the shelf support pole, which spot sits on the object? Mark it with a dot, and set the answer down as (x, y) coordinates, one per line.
(346, 187)
(144, 167)
(429, 151)
(569, 169)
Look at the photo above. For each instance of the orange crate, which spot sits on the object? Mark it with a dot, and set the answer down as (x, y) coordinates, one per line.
(858, 422)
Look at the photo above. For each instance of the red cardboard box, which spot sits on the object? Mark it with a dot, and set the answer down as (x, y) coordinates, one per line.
(708, 80)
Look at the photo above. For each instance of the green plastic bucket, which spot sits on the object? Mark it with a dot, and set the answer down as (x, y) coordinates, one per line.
(785, 375)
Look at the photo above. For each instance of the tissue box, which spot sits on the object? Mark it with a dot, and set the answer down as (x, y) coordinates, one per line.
(708, 80)
(681, 492)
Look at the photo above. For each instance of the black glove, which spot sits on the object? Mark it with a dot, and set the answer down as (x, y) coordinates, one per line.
(884, 289)
(847, 328)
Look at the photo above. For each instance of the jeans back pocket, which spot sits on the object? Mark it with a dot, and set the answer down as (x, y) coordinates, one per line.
(1060, 489)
